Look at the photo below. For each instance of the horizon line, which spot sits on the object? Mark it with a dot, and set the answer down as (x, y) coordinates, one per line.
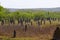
(31, 8)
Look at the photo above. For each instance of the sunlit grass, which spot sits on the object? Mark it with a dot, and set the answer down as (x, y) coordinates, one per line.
(35, 38)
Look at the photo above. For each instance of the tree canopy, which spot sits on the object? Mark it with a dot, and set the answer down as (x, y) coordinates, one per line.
(5, 14)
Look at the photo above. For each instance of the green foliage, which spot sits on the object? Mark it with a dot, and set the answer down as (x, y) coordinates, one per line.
(1, 8)
(4, 14)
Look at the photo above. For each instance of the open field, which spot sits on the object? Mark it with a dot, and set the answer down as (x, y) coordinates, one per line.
(29, 25)
(42, 32)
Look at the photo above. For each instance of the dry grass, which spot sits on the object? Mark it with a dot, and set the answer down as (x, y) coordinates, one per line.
(33, 33)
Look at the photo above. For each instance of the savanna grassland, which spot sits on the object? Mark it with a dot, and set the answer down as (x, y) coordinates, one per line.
(28, 25)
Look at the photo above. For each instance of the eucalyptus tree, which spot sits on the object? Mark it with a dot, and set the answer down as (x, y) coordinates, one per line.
(43, 16)
(2, 15)
(1, 8)
(26, 17)
(11, 17)
(18, 17)
(49, 17)
(57, 15)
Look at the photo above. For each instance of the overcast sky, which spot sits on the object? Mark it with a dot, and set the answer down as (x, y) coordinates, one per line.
(30, 3)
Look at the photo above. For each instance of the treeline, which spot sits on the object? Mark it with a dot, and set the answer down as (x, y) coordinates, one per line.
(27, 16)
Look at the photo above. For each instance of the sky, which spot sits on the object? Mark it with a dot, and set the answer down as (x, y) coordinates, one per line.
(21, 4)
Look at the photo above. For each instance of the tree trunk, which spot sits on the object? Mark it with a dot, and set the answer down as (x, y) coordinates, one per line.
(38, 22)
(44, 21)
(41, 22)
(2, 22)
(31, 23)
(50, 21)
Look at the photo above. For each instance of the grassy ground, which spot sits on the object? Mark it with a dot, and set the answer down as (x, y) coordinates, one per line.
(45, 33)
(24, 39)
